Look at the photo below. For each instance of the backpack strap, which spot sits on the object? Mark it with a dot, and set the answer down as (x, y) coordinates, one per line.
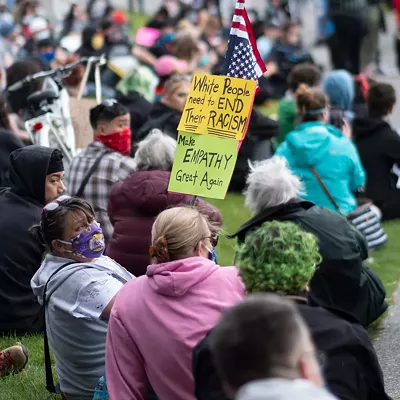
(85, 181)
(47, 360)
(325, 189)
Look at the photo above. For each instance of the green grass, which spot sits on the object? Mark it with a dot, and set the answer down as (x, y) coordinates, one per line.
(30, 384)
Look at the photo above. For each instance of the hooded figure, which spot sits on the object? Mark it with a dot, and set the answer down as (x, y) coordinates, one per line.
(339, 87)
(35, 175)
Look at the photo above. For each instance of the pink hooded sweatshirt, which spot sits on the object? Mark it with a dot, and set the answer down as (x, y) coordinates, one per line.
(156, 322)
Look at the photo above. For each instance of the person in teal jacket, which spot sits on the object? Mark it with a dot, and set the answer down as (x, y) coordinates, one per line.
(316, 144)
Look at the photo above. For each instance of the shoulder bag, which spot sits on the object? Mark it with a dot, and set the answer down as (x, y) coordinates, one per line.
(363, 218)
(93, 168)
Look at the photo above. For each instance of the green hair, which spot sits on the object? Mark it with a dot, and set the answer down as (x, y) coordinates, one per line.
(278, 257)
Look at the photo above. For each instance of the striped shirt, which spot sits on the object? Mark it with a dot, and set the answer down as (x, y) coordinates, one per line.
(112, 168)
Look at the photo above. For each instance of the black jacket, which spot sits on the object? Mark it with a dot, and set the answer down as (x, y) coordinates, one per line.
(8, 143)
(341, 282)
(261, 128)
(351, 368)
(161, 117)
(138, 107)
(20, 252)
(379, 148)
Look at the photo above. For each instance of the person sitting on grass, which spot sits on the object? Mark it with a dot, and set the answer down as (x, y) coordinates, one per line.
(105, 161)
(79, 286)
(351, 367)
(159, 318)
(379, 147)
(35, 177)
(263, 350)
(317, 144)
(339, 87)
(304, 73)
(341, 282)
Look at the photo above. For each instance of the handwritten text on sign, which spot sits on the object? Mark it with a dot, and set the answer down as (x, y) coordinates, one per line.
(218, 106)
(203, 165)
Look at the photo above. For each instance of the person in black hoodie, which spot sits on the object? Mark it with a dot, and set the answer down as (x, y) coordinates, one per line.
(35, 177)
(379, 148)
(350, 365)
(341, 282)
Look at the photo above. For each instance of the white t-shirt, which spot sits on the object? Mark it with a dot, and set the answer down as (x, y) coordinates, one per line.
(76, 297)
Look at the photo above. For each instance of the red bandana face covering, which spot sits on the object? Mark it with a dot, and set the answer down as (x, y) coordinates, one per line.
(117, 141)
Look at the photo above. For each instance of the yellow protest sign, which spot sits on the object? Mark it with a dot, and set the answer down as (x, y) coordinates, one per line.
(218, 106)
(203, 165)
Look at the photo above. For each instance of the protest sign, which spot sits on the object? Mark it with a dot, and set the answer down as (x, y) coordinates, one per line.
(218, 106)
(203, 165)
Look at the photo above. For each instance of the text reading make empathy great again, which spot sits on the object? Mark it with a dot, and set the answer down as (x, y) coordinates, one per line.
(218, 106)
(203, 165)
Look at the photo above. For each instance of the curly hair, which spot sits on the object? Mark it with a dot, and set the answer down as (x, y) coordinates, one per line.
(278, 257)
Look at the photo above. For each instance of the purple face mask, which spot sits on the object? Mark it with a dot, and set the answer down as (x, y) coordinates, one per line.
(89, 243)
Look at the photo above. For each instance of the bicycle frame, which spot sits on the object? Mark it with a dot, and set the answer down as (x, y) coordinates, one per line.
(53, 127)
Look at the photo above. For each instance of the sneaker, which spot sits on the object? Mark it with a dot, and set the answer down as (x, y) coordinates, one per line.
(13, 359)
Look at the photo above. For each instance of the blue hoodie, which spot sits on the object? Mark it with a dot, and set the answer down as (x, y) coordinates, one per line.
(339, 87)
(333, 156)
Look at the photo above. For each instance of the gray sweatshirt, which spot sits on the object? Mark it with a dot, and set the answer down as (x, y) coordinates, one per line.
(282, 389)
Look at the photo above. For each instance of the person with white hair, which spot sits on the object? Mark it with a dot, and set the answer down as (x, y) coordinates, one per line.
(135, 202)
(341, 283)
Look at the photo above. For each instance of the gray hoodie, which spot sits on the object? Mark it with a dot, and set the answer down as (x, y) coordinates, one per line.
(76, 297)
(282, 389)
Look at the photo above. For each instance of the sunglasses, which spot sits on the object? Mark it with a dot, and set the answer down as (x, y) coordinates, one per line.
(55, 203)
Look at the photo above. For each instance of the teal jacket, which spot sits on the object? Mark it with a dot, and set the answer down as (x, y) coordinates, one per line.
(333, 156)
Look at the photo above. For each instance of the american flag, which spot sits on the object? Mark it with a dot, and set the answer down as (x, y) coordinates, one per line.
(242, 59)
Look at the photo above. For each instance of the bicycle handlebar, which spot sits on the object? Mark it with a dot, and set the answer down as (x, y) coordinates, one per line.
(61, 71)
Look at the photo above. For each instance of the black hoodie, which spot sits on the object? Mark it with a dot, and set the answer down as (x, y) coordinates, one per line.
(161, 117)
(379, 148)
(20, 252)
(138, 107)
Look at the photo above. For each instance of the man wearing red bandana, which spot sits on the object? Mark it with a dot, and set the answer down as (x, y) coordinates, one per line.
(106, 160)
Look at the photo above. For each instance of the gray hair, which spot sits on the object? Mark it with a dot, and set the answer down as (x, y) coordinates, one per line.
(271, 183)
(157, 151)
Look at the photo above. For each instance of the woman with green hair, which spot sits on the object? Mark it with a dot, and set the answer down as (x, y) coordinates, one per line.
(280, 257)
(286, 267)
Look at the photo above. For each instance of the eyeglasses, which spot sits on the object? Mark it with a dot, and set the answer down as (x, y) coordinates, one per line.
(214, 239)
(55, 203)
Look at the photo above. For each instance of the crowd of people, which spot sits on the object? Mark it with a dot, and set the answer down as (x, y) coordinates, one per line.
(122, 276)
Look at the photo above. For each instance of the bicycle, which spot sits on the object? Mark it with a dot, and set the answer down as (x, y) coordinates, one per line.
(47, 118)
